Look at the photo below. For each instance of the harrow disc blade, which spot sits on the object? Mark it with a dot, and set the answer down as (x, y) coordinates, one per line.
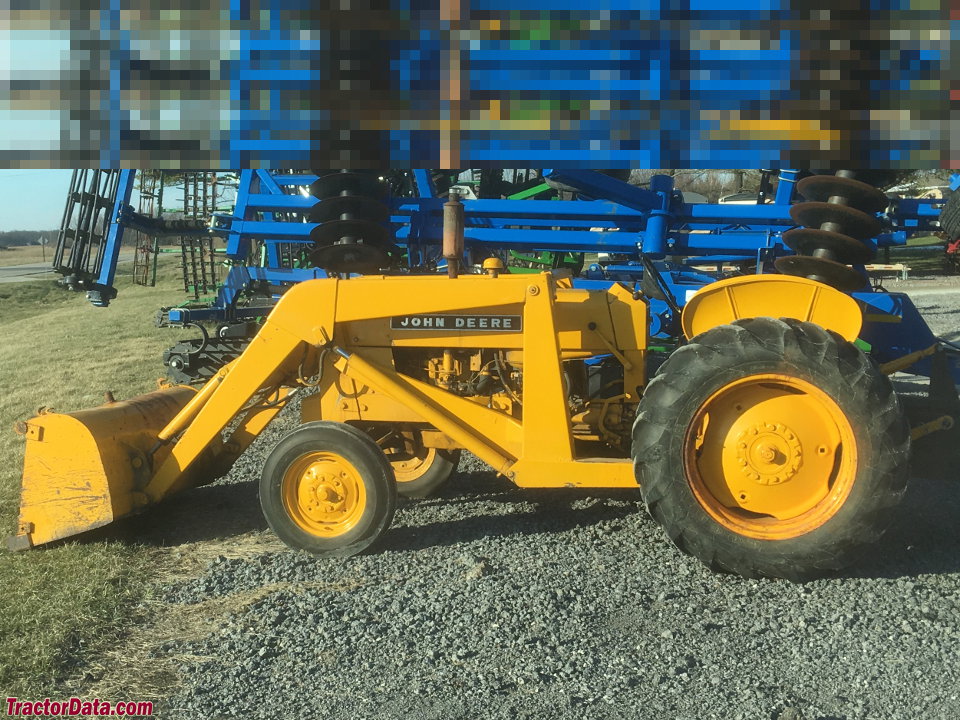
(860, 195)
(822, 270)
(360, 206)
(350, 258)
(806, 241)
(855, 223)
(370, 233)
(353, 183)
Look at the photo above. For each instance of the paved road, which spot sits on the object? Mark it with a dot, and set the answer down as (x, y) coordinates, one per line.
(39, 271)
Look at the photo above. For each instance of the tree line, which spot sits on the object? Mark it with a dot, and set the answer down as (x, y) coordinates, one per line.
(13, 238)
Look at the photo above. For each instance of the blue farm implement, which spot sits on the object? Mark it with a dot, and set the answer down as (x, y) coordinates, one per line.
(289, 227)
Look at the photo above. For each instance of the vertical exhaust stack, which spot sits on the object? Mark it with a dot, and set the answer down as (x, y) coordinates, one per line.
(453, 228)
(839, 219)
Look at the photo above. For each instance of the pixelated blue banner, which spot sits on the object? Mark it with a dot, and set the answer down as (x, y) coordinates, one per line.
(482, 83)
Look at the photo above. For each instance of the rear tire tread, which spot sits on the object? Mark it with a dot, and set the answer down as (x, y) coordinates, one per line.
(790, 347)
(950, 216)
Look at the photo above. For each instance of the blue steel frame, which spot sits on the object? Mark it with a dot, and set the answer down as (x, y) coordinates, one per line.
(102, 291)
(655, 222)
(629, 220)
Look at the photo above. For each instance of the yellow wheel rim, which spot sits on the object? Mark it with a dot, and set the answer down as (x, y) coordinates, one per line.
(323, 493)
(770, 456)
(408, 467)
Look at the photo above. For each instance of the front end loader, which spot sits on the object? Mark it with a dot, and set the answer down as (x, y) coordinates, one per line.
(767, 445)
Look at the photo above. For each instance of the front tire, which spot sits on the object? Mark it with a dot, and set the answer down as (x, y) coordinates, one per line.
(328, 489)
(771, 448)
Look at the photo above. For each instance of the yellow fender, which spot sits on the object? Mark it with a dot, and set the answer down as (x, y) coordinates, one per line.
(778, 296)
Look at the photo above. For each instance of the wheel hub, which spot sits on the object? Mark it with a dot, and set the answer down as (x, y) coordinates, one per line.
(769, 453)
(770, 456)
(324, 494)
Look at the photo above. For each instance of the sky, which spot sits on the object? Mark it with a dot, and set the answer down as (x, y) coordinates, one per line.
(33, 199)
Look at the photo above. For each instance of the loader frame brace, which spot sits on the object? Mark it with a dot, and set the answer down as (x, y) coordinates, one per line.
(313, 315)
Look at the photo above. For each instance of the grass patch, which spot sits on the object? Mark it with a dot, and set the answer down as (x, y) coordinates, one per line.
(924, 241)
(58, 607)
(63, 604)
(20, 300)
(25, 255)
(923, 259)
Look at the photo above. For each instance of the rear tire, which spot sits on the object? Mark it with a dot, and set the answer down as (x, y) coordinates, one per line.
(781, 417)
(328, 489)
(950, 217)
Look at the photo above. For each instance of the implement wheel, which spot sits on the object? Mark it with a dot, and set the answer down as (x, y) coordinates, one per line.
(771, 448)
(328, 489)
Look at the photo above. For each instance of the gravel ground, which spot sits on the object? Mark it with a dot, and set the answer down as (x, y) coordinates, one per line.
(938, 300)
(492, 602)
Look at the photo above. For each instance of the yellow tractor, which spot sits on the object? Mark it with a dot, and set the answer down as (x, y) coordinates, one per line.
(766, 445)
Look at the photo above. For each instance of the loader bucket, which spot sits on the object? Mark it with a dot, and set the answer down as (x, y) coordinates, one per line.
(85, 469)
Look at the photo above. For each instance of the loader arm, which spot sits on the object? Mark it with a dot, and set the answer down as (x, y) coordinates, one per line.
(303, 318)
(268, 362)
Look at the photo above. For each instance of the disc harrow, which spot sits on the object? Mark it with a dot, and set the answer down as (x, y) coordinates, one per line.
(352, 236)
(838, 220)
